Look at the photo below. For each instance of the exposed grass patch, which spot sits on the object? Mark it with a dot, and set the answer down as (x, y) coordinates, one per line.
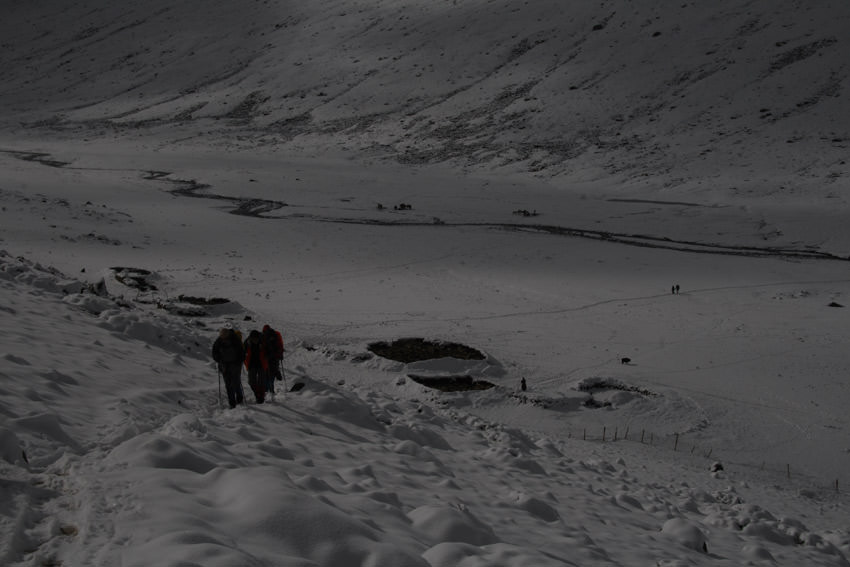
(416, 349)
(461, 383)
(136, 278)
(592, 385)
(202, 300)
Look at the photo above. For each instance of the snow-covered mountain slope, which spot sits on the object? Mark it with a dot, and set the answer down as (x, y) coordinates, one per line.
(717, 101)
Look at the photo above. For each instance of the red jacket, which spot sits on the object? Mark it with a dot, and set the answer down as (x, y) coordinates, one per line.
(255, 355)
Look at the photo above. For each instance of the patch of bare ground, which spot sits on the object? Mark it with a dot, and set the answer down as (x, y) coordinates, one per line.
(409, 350)
(461, 383)
(415, 349)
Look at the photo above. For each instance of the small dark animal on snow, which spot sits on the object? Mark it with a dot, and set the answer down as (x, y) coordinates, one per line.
(625, 360)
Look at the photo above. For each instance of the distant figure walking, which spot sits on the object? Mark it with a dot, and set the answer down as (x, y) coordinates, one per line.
(257, 365)
(677, 289)
(522, 385)
(228, 352)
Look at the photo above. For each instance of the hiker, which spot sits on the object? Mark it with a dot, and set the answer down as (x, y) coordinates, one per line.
(227, 351)
(256, 364)
(523, 385)
(273, 346)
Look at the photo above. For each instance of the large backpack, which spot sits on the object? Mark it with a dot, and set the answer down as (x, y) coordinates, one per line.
(273, 342)
(230, 348)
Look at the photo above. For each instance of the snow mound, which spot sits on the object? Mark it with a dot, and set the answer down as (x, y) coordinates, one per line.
(445, 523)
(686, 533)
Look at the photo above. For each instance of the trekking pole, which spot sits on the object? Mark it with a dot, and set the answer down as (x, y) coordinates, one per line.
(283, 375)
(220, 406)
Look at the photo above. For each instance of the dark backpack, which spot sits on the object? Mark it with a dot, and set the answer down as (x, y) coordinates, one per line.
(273, 344)
(230, 349)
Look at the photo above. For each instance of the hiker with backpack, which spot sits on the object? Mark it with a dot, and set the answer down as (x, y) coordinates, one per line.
(257, 365)
(228, 353)
(273, 346)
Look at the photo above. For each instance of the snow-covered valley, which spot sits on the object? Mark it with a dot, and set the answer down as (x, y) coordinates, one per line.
(527, 180)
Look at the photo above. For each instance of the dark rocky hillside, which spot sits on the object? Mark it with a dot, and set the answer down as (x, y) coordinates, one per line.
(671, 95)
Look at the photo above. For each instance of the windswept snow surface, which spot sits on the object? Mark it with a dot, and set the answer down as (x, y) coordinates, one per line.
(109, 392)
(527, 179)
(115, 451)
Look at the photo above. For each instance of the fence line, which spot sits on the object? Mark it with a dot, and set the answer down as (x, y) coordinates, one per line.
(677, 443)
